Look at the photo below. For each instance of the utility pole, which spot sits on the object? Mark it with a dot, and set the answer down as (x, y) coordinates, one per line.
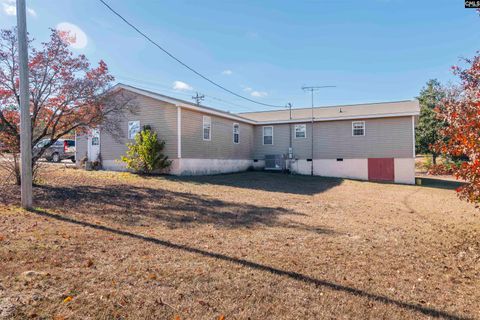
(312, 89)
(25, 121)
(198, 98)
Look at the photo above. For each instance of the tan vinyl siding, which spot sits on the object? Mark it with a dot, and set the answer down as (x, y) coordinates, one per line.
(161, 116)
(221, 145)
(302, 147)
(280, 145)
(384, 138)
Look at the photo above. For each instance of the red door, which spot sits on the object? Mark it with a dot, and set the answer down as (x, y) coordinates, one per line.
(381, 169)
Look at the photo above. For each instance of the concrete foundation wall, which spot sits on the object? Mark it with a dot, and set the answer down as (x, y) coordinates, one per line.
(258, 165)
(348, 168)
(113, 165)
(404, 170)
(117, 165)
(301, 166)
(353, 168)
(194, 167)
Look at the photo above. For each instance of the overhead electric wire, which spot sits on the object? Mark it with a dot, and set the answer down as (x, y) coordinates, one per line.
(156, 85)
(183, 63)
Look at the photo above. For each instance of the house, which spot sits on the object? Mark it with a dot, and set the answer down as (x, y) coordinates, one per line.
(366, 141)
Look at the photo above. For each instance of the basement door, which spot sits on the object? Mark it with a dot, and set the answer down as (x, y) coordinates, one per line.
(93, 145)
(381, 169)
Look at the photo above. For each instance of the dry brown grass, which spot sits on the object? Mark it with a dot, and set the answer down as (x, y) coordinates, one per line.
(247, 246)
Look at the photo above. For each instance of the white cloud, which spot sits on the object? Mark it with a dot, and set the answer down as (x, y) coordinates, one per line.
(258, 94)
(255, 93)
(252, 35)
(31, 12)
(182, 86)
(79, 39)
(227, 72)
(10, 9)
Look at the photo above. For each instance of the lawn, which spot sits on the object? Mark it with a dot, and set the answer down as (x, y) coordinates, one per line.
(253, 245)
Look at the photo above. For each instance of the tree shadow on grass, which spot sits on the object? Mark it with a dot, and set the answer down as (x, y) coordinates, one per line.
(133, 205)
(266, 181)
(428, 311)
(440, 183)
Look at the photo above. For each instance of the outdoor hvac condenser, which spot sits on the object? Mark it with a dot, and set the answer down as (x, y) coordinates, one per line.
(275, 162)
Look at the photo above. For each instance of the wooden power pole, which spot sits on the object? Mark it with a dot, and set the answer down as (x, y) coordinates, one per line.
(25, 121)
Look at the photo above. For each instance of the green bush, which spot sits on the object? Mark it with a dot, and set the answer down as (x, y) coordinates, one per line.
(145, 155)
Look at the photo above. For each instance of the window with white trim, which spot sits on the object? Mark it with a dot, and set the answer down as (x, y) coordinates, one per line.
(300, 131)
(236, 133)
(133, 129)
(268, 135)
(358, 128)
(207, 128)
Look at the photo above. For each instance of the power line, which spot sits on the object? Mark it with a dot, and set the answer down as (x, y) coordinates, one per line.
(181, 62)
(156, 85)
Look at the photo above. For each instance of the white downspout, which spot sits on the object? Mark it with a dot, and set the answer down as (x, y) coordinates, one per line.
(179, 132)
(413, 135)
(179, 139)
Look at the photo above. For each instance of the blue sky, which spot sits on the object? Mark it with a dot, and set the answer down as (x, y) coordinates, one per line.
(372, 50)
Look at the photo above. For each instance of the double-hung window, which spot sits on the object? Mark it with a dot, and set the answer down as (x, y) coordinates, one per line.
(133, 129)
(207, 128)
(358, 128)
(268, 135)
(236, 133)
(300, 131)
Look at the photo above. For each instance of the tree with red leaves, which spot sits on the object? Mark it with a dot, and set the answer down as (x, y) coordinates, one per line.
(66, 94)
(461, 112)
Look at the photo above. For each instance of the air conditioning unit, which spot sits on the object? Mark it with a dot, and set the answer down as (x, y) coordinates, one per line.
(275, 162)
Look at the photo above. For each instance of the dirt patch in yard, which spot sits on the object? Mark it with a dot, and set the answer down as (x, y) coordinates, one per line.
(247, 246)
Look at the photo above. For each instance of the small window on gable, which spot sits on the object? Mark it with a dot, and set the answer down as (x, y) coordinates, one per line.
(358, 128)
(300, 131)
(236, 133)
(267, 135)
(133, 129)
(207, 128)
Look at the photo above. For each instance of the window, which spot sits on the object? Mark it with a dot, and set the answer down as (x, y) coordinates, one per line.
(95, 134)
(267, 135)
(358, 128)
(236, 133)
(42, 143)
(133, 129)
(300, 131)
(207, 128)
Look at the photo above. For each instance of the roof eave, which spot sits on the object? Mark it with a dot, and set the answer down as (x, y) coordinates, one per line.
(356, 117)
(181, 103)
